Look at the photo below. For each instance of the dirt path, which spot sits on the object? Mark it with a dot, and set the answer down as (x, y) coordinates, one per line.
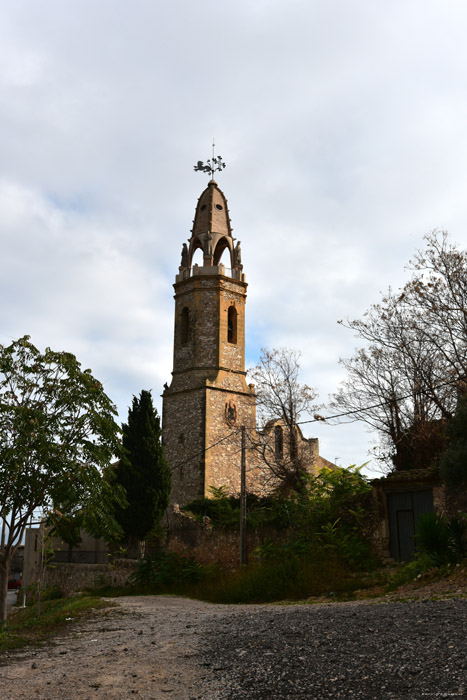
(158, 647)
(147, 647)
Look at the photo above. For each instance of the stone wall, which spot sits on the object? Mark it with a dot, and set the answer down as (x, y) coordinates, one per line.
(184, 443)
(232, 355)
(71, 578)
(210, 545)
(226, 411)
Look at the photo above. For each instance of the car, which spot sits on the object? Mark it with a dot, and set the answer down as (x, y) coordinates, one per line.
(14, 583)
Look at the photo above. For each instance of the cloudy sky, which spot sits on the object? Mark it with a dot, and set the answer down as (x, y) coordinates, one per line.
(344, 129)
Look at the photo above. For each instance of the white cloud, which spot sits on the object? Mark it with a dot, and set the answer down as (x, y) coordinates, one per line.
(342, 125)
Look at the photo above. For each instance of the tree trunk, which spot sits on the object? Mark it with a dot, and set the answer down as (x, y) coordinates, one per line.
(4, 571)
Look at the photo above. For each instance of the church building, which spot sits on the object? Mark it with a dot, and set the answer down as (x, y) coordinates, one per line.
(208, 399)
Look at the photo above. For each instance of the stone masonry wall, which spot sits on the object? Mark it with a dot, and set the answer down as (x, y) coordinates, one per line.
(184, 442)
(232, 355)
(208, 381)
(223, 461)
(200, 298)
(71, 578)
(210, 545)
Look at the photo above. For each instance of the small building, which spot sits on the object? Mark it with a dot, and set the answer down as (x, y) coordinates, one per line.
(39, 543)
(401, 498)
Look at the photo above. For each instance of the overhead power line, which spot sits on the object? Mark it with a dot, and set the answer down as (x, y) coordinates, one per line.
(204, 450)
(322, 419)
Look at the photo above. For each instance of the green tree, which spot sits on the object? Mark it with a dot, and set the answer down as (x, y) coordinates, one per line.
(57, 432)
(143, 472)
(96, 516)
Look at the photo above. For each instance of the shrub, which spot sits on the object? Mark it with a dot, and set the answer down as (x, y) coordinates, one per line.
(441, 540)
(223, 510)
(289, 577)
(167, 569)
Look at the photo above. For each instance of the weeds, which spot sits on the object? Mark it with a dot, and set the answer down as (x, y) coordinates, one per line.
(291, 577)
(25, 628)
(276, 572)
(408, 572)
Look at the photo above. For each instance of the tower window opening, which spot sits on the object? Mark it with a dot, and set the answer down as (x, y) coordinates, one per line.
(232, 325)
(185, 325)
(278, 442)
(220, 247)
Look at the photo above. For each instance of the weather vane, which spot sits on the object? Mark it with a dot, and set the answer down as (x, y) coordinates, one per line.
(212, 164)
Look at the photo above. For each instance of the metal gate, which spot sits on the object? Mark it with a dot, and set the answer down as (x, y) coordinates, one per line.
(404, 510)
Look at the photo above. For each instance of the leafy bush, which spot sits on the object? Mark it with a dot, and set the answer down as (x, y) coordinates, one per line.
(223, 510)
(331, 516)
(457, 529)
(167, 569)
(441, 540)
(52, 593)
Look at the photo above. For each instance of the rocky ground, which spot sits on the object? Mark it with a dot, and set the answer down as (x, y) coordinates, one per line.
(342, 650)
(159, 647)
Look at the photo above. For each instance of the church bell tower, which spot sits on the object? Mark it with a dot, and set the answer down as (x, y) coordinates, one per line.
(208, 399)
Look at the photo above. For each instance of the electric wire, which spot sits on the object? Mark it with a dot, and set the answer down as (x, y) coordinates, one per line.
(321, 419)
(204, 450)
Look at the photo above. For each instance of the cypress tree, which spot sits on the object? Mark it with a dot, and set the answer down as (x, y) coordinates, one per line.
(143, 471)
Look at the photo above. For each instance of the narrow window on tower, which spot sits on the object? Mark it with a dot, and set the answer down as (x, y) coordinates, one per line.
(232, 325)
(278, 442)
(185, 325)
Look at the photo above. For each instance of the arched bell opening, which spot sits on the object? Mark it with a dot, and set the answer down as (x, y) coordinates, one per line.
(220, 247)
(197, 254)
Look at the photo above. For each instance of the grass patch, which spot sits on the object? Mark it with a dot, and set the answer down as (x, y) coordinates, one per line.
(24, 628)
(420, 566)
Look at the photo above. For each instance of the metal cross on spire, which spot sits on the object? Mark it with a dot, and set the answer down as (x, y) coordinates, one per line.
(212, 164)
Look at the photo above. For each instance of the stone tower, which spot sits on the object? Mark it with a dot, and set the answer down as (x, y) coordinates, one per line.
(208, 399)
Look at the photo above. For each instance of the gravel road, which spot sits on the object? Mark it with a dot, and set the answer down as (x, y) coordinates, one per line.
(159, 647)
